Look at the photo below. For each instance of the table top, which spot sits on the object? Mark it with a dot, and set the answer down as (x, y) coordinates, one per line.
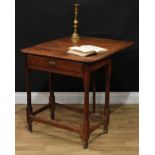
(58, 48)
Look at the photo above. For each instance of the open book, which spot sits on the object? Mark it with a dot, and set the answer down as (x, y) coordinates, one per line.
(86, 50)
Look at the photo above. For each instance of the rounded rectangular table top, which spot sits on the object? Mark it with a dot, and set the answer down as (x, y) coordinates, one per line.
(58, 48)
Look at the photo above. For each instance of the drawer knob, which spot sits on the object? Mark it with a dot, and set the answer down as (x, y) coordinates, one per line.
(52, 62)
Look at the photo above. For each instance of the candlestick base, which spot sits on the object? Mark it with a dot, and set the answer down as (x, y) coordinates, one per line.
(75, 41)
(75, 36)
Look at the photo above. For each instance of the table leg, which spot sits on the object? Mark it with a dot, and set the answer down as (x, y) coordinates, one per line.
(107, 95)
(51, 97)
(85, 136)
(94, 92)
(29, 106)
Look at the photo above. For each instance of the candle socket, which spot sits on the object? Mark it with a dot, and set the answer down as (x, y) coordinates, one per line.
(75, 22)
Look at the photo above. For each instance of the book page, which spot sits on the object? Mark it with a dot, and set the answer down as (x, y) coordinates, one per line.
(81, 49)
(88, 48)
(82, 54)
(93, 48)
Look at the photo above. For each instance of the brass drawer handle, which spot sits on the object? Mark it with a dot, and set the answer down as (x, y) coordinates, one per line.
(52, 62)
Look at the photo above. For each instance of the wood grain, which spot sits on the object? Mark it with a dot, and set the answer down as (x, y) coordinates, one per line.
(47, 140)
(58, 48)
(52, 57)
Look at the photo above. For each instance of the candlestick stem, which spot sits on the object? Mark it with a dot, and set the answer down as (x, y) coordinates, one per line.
(75, 22)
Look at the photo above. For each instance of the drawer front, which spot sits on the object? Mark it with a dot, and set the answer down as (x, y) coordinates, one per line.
(53, 64)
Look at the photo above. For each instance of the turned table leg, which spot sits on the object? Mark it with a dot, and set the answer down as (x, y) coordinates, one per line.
(85, 135)
(29, 106)
(94, 92)
(107, 95)
(51, 97)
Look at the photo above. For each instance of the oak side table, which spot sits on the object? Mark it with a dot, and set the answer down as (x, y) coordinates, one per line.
(51, 57)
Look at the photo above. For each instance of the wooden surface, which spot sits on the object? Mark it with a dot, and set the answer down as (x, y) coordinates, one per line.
(44, 64)
(60, 66)
(52, 57)
(58, 48)
(47, 140)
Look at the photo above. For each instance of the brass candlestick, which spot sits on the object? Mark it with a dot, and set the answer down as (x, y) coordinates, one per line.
(75, 22)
